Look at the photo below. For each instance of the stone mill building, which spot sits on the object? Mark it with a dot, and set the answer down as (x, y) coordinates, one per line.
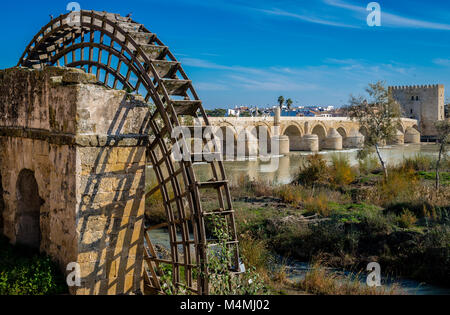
(72, 172)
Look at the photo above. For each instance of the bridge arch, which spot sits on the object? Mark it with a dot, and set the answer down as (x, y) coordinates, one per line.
(123, 54)
(401, 128)
(295, 135)
(227, 137)
(263, 135)
(343, 132)
(321, 132)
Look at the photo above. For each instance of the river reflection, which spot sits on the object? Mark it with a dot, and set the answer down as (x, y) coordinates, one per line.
(289, 165)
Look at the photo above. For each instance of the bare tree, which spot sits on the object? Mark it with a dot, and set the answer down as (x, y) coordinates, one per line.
(379, 114)
(443, 129)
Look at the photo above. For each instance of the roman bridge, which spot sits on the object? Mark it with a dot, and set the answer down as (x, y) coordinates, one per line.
(304, 133)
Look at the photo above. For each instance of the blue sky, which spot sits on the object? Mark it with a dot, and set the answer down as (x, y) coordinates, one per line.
(242, 52)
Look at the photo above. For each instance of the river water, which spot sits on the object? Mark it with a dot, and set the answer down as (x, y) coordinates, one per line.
(283, 169)
(297, 271)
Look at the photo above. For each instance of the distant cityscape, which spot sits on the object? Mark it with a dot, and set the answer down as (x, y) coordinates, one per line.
(300, 111)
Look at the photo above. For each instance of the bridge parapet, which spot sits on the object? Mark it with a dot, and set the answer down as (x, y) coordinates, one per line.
(328, 130)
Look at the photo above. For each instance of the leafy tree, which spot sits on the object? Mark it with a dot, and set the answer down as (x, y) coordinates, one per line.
(379, 114)
(246, 114)
(281, 101)
(443, 129)
(218, 112)
(289, 103)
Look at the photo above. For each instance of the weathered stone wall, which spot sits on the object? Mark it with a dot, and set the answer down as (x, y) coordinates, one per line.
(424, 103)
(83, 144)
(52, 165)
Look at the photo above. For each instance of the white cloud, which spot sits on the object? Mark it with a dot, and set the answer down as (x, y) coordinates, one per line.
(333, 72)
(389, 19)
(272, 84)
(442, 62)
(306, 18)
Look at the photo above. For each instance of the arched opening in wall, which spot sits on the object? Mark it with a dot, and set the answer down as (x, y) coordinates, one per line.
(295, 138)
(228, 142)
(264, 139)
(2, 205)
(28, 213)
(342, 132)
(344, 135)
(319, 130)
(416, 127)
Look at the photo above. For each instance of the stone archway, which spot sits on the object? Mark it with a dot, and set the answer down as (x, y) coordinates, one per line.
(342, 132)
(228, 141)
(264, 136)
(27, 221)
(320, 131)
(295, 137)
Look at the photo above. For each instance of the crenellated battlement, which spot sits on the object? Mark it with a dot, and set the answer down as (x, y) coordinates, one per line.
(416, 87)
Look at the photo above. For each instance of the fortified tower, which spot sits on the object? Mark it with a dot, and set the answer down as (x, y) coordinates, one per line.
(424, 103)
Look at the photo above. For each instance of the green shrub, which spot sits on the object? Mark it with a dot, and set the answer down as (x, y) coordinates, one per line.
(314, 171)
(400, 186)
(291, 194)
(419, 163)
(24, 272)
(318, 205)
(342, 174)
(407, 219)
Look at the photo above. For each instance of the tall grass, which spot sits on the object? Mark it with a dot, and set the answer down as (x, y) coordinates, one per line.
(368, 164)
(314, 171)
(245, 186)
(419, 163)
(318, 204)
(407, 219)
(341, 173)
(321, 281)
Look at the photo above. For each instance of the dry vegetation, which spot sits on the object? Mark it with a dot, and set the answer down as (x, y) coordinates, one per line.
(347, 216)
(321, 281)
(353, 216)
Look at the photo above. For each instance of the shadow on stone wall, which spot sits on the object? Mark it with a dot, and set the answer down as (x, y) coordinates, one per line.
(111, 212)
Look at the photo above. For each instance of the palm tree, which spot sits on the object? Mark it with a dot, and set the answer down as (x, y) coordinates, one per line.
(281, 101)
(289, 103)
